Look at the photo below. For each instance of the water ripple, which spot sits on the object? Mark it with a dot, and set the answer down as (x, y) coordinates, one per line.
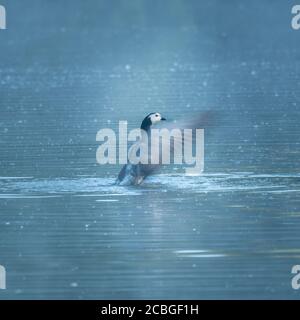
(97, 187)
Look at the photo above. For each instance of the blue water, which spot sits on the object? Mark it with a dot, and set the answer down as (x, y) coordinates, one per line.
(67, 232)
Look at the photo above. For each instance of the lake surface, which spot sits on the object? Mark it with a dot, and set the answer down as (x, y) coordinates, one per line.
(67, 232)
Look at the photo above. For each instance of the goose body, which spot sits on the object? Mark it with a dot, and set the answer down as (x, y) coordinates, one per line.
(134, 174)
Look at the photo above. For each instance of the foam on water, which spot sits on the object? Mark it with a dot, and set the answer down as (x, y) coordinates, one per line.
(234, 182)
(99, 187)
(77, 186)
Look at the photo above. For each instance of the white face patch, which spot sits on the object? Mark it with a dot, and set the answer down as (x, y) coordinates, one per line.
(156, 117)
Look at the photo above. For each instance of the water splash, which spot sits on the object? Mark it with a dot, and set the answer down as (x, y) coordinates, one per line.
(233, 182)
(97, 187)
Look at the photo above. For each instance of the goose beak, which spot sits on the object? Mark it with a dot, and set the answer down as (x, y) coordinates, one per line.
(163, 119)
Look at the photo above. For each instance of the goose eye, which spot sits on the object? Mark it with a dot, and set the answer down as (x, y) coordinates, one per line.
(156, 115)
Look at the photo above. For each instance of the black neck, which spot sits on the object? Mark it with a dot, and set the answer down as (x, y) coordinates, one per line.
(146, 124)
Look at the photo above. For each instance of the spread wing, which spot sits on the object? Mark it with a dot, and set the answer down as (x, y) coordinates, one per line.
(173, 148)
